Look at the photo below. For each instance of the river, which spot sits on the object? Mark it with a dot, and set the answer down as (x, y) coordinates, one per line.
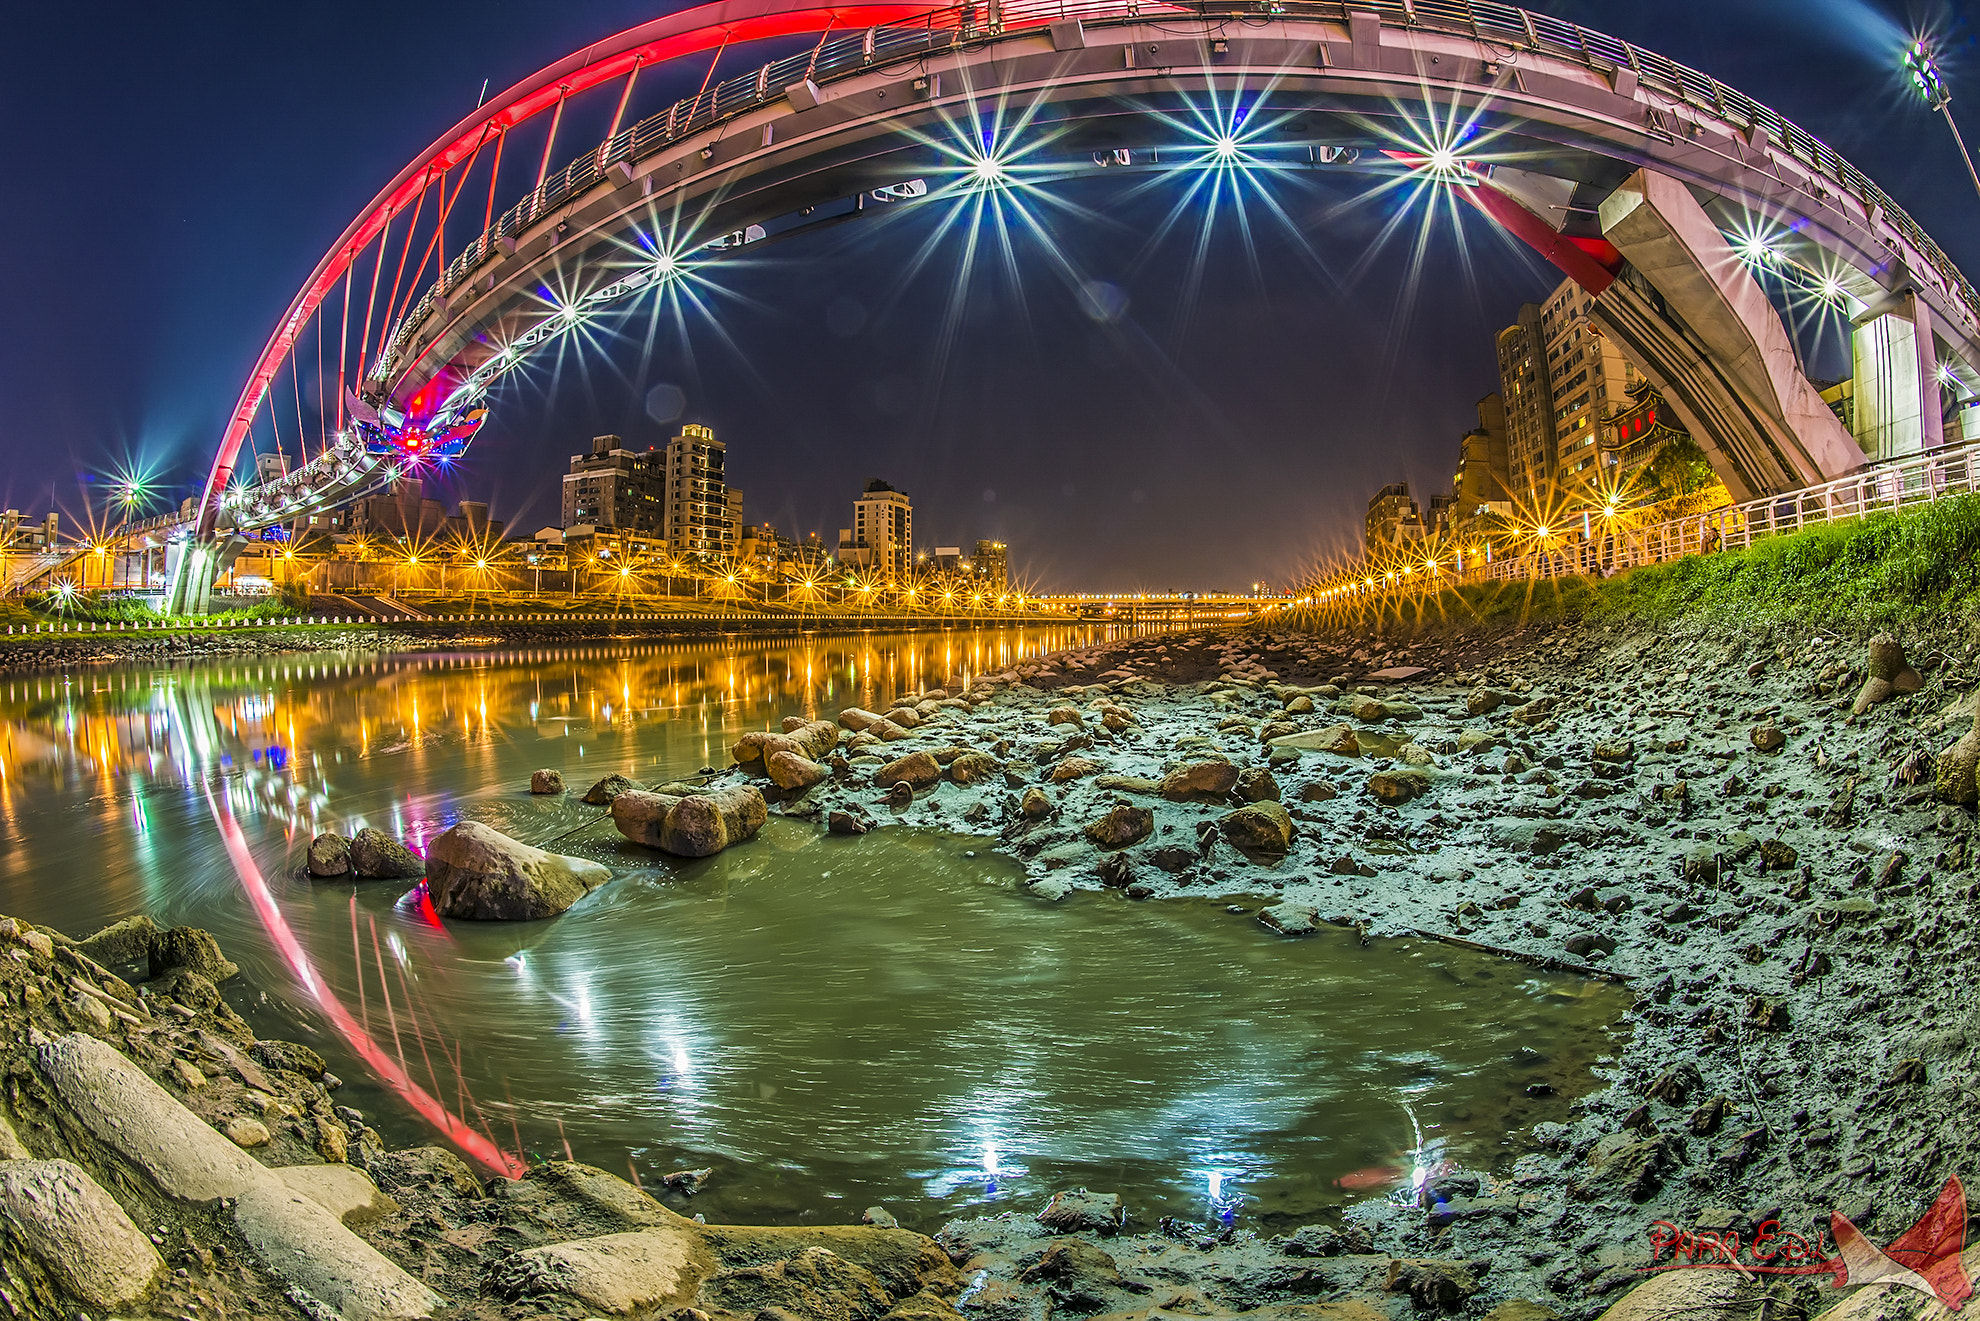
(824, 1022)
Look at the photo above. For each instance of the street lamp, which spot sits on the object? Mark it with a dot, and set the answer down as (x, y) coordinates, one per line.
(1923, 66)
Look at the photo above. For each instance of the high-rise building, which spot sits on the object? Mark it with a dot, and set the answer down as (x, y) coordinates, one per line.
(1392, 518)
(1560, 378)
(1589, 379)
(703, 514)
(1528, 397)
(1480, 486)
(612, 487)
(993, 566)
(882, 534)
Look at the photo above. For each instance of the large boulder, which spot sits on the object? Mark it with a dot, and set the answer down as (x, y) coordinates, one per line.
(1263, 827)
(78, 1232)
(1715, 1295)
(1255, 784)
(609, 788)
(1626, 1163)
(379, 857)
(614, 1273)
(1121, 827)
(193, 950)
(1337, 739)
(1073, 768)
(974, 768)
(1213, 778)
(120, 943)
(698, 826)
(810, 740)
(475, 871)
(1069, 1212)
(790, 771)
(1953, 775)
(919, 769)
(329, 856)
(1430, 1284)
(1890, 674)
(1398, 784)
(546, 781)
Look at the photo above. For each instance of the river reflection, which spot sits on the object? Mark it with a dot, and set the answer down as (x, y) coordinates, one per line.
(827, 1022)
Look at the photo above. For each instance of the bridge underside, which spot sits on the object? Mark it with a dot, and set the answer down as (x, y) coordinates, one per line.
(1564, 136)
(1696, 322)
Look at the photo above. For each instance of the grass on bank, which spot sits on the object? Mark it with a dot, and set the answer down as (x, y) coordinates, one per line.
(1888, 570)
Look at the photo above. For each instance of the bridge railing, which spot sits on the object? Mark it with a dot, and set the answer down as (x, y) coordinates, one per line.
(1484, 21)
(1919, 479)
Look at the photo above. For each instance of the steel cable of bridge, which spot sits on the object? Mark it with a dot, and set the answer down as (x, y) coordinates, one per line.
(550, 139)
(438, 241)
(494, 173)
(371, 300)
(343, 346)
(295, 386)
(385, 329)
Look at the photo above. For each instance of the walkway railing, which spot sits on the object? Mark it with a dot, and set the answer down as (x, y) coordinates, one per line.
(1920, 479)
(1494, 27)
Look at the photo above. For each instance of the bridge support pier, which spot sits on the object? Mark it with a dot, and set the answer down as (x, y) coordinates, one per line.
(191, 568)
(1896, 362)
(1700, 328)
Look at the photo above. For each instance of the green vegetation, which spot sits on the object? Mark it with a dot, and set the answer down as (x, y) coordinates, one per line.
(1914, 568)
(1678, 467)
(120, 608)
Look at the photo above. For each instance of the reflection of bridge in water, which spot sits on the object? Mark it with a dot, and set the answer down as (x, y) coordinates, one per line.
(1659, 189)
(1132, 607)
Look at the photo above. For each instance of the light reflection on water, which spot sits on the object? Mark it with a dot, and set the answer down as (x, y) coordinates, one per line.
(828, 1022)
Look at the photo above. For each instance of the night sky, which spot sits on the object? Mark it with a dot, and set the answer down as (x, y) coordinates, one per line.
(175, 171)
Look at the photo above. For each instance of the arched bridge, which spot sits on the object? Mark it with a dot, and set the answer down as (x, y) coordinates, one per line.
(1655, 186)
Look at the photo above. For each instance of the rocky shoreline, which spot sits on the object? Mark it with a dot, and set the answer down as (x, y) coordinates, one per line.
(1695, 811)
(1743, 827)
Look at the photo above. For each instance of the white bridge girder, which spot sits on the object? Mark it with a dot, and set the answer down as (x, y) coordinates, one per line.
(1572, 120)
(1735, 378)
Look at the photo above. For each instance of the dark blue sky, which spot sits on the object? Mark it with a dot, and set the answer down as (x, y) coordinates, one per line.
(174, 172)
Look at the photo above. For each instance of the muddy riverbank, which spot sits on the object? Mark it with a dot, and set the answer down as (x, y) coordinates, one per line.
(1694, 812)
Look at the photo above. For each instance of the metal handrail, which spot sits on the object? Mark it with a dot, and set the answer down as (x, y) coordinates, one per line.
(1485, 21)
(1915, 480)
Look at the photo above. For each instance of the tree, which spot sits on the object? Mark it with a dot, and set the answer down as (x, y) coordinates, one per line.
(1678, 467)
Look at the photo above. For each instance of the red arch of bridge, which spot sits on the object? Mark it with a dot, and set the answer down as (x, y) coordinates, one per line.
(685, 33)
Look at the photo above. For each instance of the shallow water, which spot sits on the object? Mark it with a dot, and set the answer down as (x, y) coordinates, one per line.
(826, 1022)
